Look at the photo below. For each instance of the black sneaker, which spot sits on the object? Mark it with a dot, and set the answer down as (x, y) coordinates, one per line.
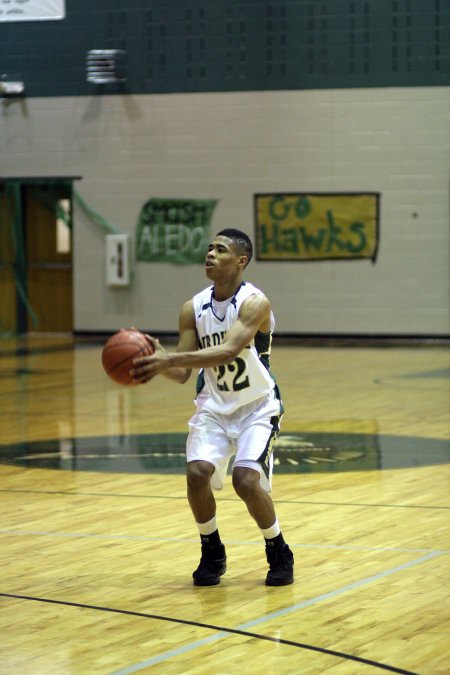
(213, 564)
(281, 566)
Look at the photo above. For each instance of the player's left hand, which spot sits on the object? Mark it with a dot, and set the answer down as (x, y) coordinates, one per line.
(146, 367)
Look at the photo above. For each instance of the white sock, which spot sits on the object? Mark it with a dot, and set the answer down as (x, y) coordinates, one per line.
(209, 527)
(271, 532)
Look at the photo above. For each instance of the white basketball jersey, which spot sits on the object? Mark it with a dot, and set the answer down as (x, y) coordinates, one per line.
(226, 388)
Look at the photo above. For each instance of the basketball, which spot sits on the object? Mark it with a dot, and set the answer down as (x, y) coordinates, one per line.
(120, 351)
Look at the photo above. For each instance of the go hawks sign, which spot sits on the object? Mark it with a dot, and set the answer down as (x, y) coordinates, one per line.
(316, 226)
(174, 230)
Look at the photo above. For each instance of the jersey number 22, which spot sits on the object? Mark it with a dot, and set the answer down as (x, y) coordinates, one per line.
(233, 376)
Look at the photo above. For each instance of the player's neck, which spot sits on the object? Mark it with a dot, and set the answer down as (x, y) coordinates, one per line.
(226, 290)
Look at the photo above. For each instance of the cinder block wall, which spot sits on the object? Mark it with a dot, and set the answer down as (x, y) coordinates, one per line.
(229, 146)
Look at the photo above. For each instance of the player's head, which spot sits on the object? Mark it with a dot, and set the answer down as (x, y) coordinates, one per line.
(241, 242)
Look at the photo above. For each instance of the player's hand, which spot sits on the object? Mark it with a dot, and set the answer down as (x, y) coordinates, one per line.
(155, 343)
(146, 367)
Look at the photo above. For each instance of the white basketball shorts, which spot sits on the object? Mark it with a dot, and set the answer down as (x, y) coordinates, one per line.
(249, 434)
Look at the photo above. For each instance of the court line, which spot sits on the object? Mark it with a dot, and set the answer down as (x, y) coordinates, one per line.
(228, 542)
(164, 656)
(219, 499)
(242, 629)
(223, 632)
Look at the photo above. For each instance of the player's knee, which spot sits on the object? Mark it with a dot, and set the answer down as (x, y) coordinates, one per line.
(199, 475)
(245, 482)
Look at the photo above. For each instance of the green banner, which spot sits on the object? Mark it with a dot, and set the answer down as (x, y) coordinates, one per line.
(316, 226)
(174, 230)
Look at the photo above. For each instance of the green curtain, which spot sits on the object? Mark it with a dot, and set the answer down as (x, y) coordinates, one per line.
(96, 218)
(14, 201)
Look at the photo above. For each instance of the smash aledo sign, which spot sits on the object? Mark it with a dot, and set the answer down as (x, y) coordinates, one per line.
(316, 226)
(174, 230)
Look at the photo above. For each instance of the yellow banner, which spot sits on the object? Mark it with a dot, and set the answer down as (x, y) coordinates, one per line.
(316, 226)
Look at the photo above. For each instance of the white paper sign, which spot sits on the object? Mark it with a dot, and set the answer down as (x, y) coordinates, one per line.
(32, 10)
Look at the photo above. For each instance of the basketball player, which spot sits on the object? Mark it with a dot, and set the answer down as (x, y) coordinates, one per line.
(226, 331)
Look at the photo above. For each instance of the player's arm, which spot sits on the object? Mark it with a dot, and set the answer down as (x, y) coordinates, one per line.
(187, 341)
(254, 316)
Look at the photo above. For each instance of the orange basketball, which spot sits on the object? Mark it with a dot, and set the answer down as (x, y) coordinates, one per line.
(120, 351)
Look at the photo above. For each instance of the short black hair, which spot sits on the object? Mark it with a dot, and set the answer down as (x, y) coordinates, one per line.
(241, 240)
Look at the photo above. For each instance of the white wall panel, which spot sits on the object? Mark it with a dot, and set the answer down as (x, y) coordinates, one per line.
(228, 146)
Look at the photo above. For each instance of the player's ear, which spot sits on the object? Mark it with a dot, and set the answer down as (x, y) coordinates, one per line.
(243, 260)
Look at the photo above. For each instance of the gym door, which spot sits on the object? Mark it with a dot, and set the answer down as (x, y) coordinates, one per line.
(48, 240)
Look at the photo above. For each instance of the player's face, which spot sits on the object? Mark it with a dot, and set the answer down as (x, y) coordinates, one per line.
(222, 260)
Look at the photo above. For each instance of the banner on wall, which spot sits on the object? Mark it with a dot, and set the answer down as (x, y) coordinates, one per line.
(316, 226)
(174, 230)
(32, 10)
